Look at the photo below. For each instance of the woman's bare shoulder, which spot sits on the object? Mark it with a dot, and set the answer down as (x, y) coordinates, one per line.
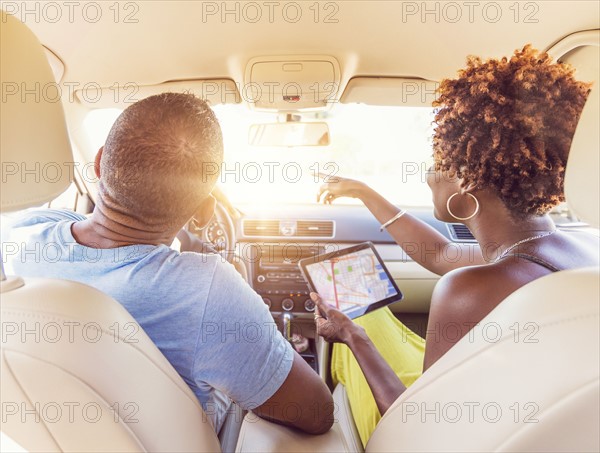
(473, 291)
(461, 299)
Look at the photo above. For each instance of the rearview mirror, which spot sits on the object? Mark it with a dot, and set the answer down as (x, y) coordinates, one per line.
(289, 134)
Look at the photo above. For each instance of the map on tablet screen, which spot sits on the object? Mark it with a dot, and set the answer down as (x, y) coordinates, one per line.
(353, 280)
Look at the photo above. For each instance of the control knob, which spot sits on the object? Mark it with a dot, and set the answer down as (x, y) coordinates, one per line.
(287, 304)
(309, 305)
(267, 302)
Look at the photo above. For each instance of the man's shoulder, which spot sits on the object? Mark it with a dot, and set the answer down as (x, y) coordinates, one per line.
(37, 216)
(38, 226)
(230, 292)
(225, 275)
(193, 261)
(209, 269)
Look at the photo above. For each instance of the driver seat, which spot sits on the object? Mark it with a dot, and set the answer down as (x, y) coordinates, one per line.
(78, 373)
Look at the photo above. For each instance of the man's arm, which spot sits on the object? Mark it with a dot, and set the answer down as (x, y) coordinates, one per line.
(303, 401)
(241, 352)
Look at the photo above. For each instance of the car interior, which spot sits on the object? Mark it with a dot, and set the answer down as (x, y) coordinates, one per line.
(338, 88)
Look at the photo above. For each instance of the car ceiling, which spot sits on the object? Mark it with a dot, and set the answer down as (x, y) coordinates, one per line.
(171, 40)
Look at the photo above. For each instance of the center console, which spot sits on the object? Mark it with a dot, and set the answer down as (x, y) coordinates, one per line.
(276, 277)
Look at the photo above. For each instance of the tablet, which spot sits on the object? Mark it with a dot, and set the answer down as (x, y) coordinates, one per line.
(353, 279)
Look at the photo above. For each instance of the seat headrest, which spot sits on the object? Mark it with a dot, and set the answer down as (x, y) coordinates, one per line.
(37, 162)
(582, 179)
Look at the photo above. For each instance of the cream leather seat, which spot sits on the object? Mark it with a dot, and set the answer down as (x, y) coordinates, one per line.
(525, 379)
(78, 373)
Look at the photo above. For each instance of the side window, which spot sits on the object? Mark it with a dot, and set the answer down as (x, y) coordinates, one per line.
(585, 59)
(96, 124)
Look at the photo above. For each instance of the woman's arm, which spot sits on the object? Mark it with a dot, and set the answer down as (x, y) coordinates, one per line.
(335, 326)
(383, 382)
(423, 243)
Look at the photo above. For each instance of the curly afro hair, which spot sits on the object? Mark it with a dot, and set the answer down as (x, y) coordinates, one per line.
(507, 125)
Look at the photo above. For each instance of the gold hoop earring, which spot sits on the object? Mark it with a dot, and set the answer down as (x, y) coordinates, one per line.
(463, 218)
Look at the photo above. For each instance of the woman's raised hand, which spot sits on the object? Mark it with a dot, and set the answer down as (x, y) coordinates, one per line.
(337, 187)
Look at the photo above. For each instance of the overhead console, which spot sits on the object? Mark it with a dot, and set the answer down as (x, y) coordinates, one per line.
(290, 83)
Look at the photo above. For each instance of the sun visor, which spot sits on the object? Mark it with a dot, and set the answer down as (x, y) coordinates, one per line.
(390, 91)
(214, 91)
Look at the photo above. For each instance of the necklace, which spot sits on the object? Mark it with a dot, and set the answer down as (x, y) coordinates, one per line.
(516, 244)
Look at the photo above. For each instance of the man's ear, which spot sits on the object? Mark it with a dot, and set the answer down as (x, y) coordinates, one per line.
(205, 211)
(97, 162)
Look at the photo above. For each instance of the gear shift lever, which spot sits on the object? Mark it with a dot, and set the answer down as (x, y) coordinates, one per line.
(287, 326)
(299, 342)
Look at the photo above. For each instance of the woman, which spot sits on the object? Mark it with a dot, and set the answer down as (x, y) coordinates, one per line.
(503, 134)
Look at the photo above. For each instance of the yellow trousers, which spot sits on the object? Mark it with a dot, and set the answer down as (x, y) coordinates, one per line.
(401, 348)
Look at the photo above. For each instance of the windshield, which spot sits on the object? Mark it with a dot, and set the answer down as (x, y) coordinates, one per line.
(389, 148)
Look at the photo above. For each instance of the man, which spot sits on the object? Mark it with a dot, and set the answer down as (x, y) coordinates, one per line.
(212, 327)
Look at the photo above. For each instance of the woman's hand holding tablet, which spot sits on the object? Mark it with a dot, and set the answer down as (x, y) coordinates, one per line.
(354, 280)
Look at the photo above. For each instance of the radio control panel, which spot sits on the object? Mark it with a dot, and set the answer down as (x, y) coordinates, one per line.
(275, 275)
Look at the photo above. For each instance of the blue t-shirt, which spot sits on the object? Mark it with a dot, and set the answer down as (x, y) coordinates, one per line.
(211, 326)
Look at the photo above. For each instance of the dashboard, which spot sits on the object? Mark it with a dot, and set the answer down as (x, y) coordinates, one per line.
(272, 240)
(266, 243)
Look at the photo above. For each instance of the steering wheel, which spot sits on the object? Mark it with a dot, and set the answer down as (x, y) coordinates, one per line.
(219, 233)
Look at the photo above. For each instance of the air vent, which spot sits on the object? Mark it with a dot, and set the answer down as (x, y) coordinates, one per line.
(261, 227)
(315, 228)
(460, 232)
(288, 228)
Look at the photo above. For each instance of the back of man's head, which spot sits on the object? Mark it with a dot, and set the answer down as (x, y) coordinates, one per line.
(155, 159)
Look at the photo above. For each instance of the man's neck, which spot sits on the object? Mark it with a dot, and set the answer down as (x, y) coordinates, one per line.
(108, 227)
